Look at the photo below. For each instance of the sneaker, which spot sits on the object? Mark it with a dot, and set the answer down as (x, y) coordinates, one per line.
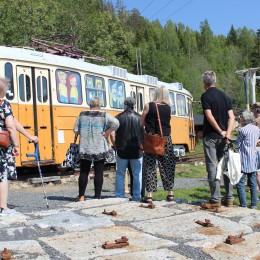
(253, 207)
(211, 205)
(227, 203)
(135, 199)
(7, 211)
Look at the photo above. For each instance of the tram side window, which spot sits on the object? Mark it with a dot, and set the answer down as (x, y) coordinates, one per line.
(181, 105)
(190, 107)
(132, 94)
(151, 94)
(68, 84)
(95, 87)
(24, 88)
(140, 102)
(116, 93)
(9, 76)
(173, 107)
(42, 91)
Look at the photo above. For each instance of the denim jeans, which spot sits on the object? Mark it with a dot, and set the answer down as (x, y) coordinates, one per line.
(121, 166)
(253, 189)
(214, 150)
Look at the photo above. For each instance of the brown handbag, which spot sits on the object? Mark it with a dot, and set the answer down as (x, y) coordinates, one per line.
(154, 143)
(4, 139)
(4, 136)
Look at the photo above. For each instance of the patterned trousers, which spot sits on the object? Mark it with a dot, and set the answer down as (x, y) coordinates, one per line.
(166, 166)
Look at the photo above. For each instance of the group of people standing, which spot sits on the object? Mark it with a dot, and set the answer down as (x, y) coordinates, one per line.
(126, 131)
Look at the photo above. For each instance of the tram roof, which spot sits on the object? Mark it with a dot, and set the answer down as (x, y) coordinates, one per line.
(30, 54)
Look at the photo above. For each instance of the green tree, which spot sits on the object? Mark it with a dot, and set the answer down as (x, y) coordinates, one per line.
(232, 37)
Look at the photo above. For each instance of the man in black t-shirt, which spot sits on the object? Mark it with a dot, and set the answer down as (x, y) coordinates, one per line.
(218, 124)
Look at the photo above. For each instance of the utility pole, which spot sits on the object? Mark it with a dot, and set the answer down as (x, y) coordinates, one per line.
(258, 47)
(138, 61)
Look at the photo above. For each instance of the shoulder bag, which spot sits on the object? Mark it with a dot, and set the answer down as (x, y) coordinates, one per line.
(154, 143)
(4, 136)
(72, 159)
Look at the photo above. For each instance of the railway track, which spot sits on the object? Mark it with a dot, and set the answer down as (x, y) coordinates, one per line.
(191, 158)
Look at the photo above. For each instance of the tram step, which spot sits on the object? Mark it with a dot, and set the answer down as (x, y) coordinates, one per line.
(56, 179)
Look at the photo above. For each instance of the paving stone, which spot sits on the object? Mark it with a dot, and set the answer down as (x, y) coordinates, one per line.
(248, 249)
(25, 250)
(92, 203)
(159, 254)
(18, 233)
(47, 212)
(184, 226)
(3, 224)
(236, 211)
(133, 212)
(210, 242)
(87, 245)
(15, 218)
(185, 207)
(252, 221)
(71, 221)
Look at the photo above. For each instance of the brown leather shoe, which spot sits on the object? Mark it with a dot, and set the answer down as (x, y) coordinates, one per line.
(80, 198)
(228, 203)
(211, 205)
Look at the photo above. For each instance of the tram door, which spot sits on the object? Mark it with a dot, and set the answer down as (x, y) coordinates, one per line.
(34, 111)
(138, 94)
(192, 134)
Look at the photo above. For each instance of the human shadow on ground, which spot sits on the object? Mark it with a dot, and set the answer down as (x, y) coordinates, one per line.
(72, 199)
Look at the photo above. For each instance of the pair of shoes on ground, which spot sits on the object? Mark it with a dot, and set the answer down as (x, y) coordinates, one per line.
(7, 211)
(170, 197)
(217, 204)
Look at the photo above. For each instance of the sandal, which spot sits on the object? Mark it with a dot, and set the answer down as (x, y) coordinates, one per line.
(147, 200)
(80, 198)
(170, 197)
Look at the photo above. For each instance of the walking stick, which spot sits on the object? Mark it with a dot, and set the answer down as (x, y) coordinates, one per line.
(37, 157)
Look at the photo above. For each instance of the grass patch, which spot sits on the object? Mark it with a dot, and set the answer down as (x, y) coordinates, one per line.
(198, 149)
(198, 193)
(190, 171)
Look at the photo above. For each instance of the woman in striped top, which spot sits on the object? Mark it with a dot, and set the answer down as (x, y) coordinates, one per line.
(248, 136)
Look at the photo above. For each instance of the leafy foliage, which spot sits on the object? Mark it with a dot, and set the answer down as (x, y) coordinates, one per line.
(173, 53)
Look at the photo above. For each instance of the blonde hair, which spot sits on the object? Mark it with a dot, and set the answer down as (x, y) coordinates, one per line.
(4, 86)
(95, 102)
(162, 95)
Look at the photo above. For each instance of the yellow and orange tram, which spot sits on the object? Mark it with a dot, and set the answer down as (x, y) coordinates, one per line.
(47, 93)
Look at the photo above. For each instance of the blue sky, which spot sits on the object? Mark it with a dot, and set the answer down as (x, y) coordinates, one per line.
(221, 14)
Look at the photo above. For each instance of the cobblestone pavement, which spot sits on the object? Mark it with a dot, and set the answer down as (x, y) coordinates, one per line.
(70, 230)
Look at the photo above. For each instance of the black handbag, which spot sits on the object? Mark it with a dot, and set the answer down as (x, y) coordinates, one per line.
(72, 159)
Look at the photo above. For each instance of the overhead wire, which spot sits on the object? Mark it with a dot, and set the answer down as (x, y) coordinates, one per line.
(177, 10)
(146, 6)
(161, 9)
